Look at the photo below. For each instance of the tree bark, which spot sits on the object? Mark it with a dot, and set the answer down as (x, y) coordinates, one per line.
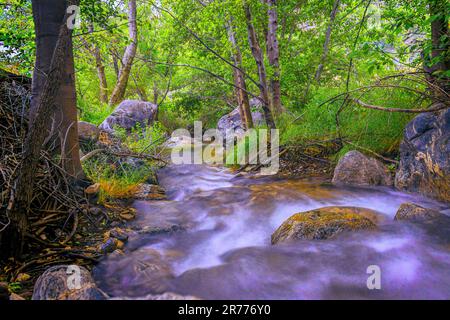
(259, 60)
(274, 57)
(128, 57)
(95, 51)
(62, 131)
(440, 39)
(241, 87)
(326, 44)
(50, 18)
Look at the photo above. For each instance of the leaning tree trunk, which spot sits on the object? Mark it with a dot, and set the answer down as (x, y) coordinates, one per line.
(326, 44)
(274, 57)
(241, 87)
(50, 19)
(128, 57)
(62, 131)
(440, 38)
(259, 60)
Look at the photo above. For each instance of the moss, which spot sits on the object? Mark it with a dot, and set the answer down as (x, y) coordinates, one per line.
(325, 223)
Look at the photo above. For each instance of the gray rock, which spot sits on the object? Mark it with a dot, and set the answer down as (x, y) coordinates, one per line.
(232, 121)
(356, 168)
(55, 282)
(130, 113)
(325, 223)
(415, 213)
(425, 156)
(88, 132)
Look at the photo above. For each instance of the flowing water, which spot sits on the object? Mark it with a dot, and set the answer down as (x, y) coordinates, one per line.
(211, 240)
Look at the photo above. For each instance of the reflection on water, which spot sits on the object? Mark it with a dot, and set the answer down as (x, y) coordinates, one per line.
(222, 247)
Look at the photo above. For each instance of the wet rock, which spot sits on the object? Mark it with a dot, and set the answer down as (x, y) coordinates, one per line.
(413, 212)
(356, 168)
(110, 245)
(146, 271)
(119, 234)
(60, 283)
(232, 121)
(129, 114)
(164, 296)
(150, 192)
(424, 156)
(168, 228)
(88, 132)
(324, 223)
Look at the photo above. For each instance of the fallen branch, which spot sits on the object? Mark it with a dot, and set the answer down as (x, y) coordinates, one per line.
(437, 107)
(121, 154)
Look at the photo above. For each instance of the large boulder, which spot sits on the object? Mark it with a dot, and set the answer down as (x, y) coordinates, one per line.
(325, 223)
(62, 283)
(356, 168)
(413, 212)
(129, 114)
(425, 156)
(232, 122)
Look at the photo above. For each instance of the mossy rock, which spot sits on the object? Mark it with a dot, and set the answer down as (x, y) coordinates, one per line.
(325, 223)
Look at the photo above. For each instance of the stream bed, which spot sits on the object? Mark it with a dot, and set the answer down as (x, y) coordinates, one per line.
(211, 240)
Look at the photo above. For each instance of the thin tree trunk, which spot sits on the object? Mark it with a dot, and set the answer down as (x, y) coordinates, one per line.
(115, 63)
(49, 17)
(274, 57)
(62, 131)
(440, 38)
(128, 57)
(95, 51)
(241, 87)
(326, 45)
(259, 60)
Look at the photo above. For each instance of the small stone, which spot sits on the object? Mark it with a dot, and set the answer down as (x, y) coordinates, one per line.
(93, 189)
(119, 234)
(109, 245)
(415, 213)
(120, 245)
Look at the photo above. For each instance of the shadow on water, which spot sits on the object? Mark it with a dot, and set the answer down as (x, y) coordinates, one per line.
(211, 239)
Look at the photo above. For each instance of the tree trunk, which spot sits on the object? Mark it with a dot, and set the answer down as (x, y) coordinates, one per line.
(241, 87)
(48, 94)
(128, 57)
(274, 57)
(259, 60)
(95, 51)
(440, 38)
(326, 45)
(62, 131)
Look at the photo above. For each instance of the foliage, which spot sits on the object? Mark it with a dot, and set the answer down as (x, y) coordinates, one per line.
(182, 46)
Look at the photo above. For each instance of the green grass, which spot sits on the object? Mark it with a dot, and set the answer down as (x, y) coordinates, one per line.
(94, 112)
(378, 131)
